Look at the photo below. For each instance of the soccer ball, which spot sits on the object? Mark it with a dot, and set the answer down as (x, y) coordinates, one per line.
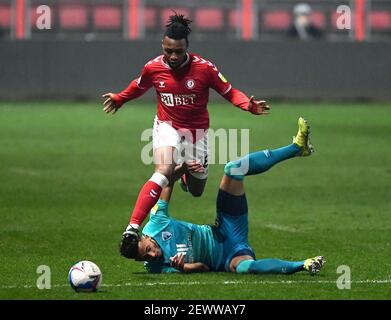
(85, 276)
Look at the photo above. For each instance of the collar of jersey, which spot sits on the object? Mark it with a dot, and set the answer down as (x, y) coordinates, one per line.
(182, 65)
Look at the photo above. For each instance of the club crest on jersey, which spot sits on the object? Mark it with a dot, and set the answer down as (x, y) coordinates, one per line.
(166, 235)
(190, 84)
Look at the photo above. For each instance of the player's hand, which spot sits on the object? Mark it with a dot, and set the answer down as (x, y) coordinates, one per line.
(258, 107)
(194, 166)
(109, 103)
(178, 261)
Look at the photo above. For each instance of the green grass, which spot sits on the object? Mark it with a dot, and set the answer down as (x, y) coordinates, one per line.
(70, 174)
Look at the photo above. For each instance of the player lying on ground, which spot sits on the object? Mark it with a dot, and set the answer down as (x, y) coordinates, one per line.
(182, 81)
(169, 245)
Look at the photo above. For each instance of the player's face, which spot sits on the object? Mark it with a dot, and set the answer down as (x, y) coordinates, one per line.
(174, 51)
(148, 250)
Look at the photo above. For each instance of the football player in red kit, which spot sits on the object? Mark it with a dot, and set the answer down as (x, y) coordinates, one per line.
(182, 81)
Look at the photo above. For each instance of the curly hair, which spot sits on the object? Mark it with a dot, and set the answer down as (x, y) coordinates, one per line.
(178, 27)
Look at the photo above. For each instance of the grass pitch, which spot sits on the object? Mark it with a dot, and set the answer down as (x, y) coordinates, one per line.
(70, 174)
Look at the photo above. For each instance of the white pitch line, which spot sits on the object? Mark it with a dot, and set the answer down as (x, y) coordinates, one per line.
(25, 171)
(282, 228)
(232, 282)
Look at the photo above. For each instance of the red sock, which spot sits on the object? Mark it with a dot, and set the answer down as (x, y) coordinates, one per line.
(147, 198)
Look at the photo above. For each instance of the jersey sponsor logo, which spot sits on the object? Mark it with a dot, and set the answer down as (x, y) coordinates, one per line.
(162, 84)
(190, 84)
(166, 235)
(171, 100)
(222, 78)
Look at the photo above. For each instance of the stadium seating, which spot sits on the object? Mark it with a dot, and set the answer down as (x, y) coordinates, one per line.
(234, 18)
(5, 16)
(73, 17)
(107, 17)
(33, 16)
(209, 19)
(276, 20)
(150, 18)
(318, 19)
(380, 21)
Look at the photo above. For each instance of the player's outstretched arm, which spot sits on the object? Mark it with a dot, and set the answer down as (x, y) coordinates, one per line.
(136, 88)
(258, 107)
(240, 100)
(219, 83)
(115, 101)
(109, 105)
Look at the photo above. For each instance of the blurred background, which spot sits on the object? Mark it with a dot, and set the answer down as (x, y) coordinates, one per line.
(228, 19)
(287, 49)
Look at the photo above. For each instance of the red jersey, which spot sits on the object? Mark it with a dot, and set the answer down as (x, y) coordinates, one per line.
(182, 93)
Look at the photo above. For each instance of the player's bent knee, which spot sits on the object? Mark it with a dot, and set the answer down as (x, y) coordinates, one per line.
(231, 170)
(195, 184)
(166, 170)
(196, 193)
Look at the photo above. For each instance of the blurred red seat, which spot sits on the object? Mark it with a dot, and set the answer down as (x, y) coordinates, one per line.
(166, 13)
(5, 16)
(318, 19)
(234, 19)
(276, 20)
(209, 19)
(33, 16)
(150, 17)
(73, 16)
(107, 17)
(380, 20)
